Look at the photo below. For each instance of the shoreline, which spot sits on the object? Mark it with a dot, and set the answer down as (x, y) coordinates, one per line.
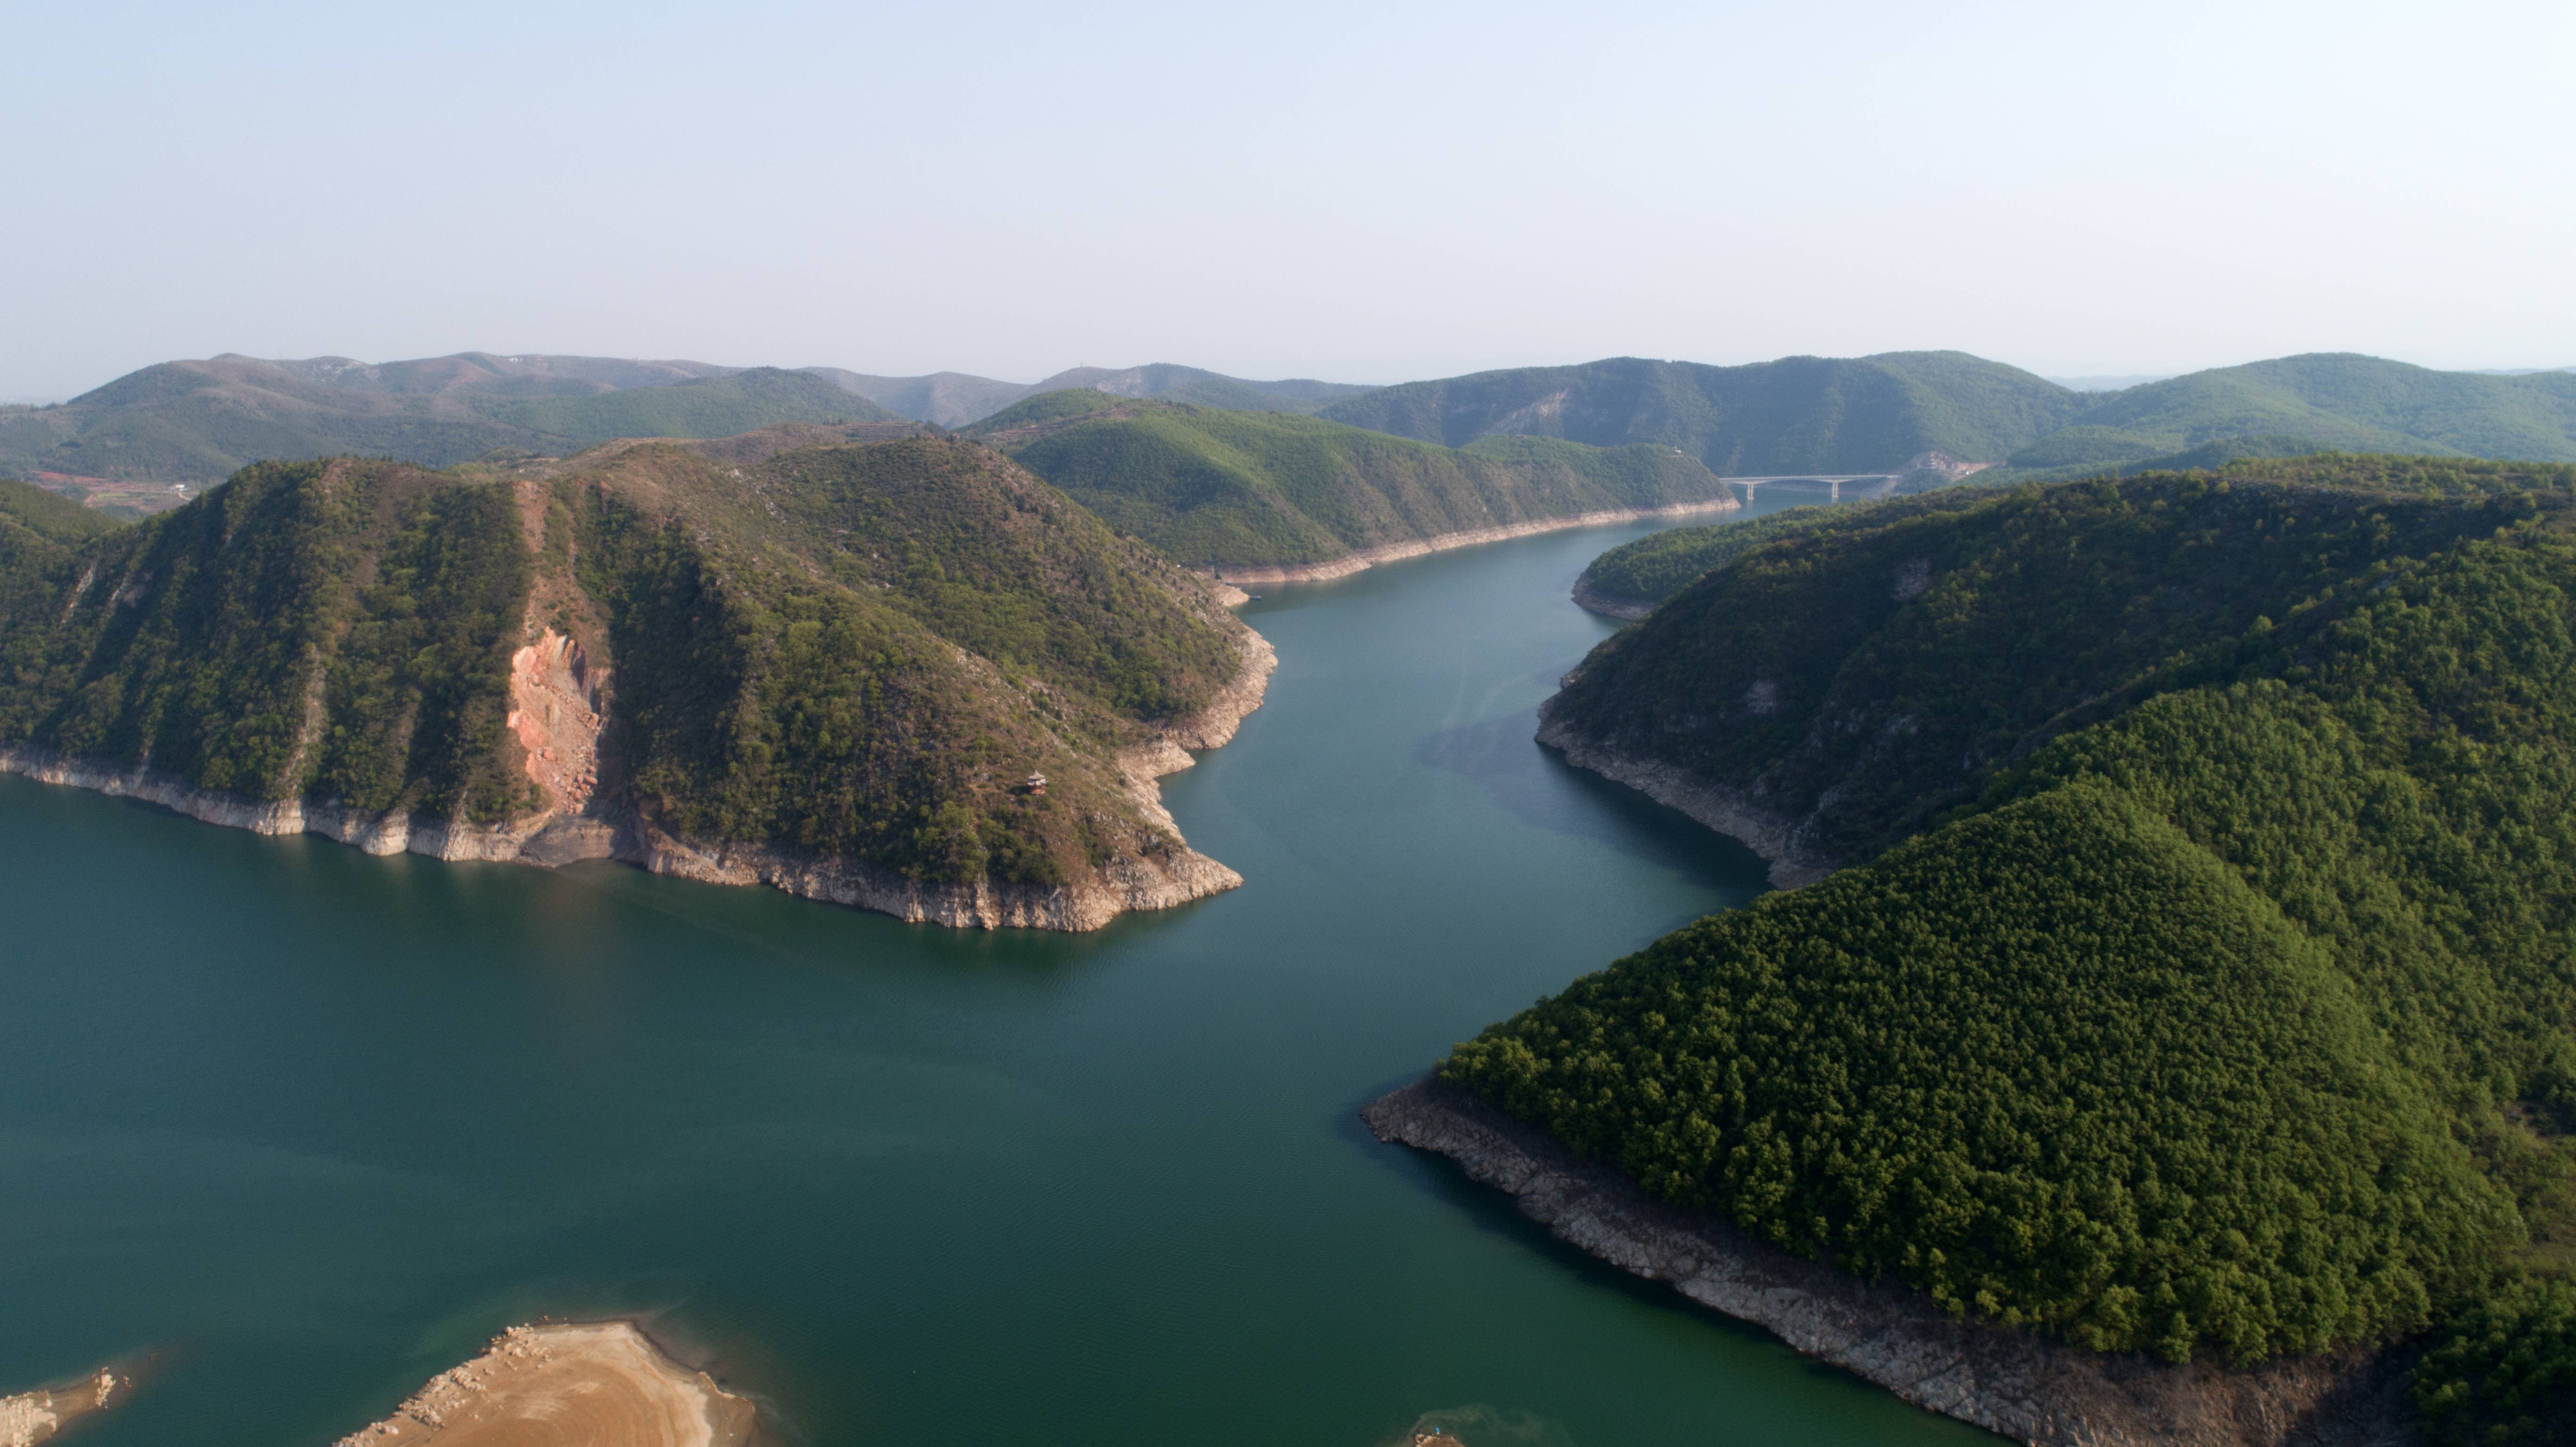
(41, 1414)
(589, 1381)
(1591, 600)
(1362, 559)
(2025, 1387)
(553, 838)
(1767, 834)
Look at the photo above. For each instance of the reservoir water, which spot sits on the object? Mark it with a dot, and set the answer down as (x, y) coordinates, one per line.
(313, 1125)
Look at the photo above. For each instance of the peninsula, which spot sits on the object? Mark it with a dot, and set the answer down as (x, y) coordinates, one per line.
(2180, 984)
(30, 1418)
(837, 668)
(602, 1382)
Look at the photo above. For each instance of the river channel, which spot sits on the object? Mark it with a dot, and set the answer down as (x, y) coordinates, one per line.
(312, 1126)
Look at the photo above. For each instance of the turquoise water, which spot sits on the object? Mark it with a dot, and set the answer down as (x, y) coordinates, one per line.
(314, 1125)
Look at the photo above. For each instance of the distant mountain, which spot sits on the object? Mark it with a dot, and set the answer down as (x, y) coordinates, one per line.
(2341, 399)
(950, 399)
(954, 399)
(1869, 414)
(1206, 389)
(2118, 383)
(197, 421)
(1266, 490)
(1798, 414)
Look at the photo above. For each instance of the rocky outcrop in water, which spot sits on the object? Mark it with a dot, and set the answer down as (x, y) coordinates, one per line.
(2026, 1387)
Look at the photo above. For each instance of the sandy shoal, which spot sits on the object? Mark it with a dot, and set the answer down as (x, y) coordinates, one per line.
(38, 1416)
(594, 1384)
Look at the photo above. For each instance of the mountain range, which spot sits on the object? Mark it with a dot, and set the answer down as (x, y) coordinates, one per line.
(196, 421)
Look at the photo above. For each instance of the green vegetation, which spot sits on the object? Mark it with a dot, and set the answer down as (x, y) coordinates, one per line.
(2057, 1067)
(1871, 414)
(790, 667)
(839, 718)
(31, 510)
(2504, 1373)
(2353, 402)
(193, 640)
(197, 421)
(2202, 982)
(854, 651)
(417, 688)
(1813, 677)
(1799, 414)
(1208, 487)
(710, 407)
(1658, 565)
(200, 421)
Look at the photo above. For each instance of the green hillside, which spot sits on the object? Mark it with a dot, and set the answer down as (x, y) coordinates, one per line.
(954, 399)
(712, 407)
(2201, 979)
(845, 651)
(1165, 381)
(1219, 488)
(1658, 565)
(1798, 414)
(2334, 400)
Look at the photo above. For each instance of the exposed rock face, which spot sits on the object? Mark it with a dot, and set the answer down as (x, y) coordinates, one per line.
(1766, 832)
(554, 694)
(1353, 562)
(554, 714)
(2028, 1388)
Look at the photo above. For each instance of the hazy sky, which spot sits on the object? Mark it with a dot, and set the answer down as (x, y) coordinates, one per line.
(1364, 192)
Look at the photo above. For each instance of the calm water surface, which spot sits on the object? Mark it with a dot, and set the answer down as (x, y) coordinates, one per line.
(315, 1125)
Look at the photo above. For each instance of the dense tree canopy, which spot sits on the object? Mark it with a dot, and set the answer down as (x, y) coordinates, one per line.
(2204, 982)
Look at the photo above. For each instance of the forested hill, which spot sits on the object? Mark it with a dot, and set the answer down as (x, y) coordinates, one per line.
(199, 421)
(1874, 414)
(2323, 400)
(1230, 489)
(195, 421)
(953, 399)
(1798, 414)
(2200, 980)
(838, 653)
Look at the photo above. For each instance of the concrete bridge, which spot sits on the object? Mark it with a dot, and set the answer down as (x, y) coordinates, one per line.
(1833, 482)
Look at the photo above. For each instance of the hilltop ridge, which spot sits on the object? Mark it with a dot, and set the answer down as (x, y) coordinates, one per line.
(196, 421)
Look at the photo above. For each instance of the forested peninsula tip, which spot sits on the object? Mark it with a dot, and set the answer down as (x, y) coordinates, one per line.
(2191, 976)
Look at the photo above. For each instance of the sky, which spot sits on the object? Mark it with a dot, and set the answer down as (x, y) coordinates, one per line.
(1367, 192)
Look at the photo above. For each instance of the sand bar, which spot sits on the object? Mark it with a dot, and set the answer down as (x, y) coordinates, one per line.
(594, 1384)
(38, 1416)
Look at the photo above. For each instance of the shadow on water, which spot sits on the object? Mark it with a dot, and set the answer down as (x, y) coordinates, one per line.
(1536, 786)
(1491, 1212)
